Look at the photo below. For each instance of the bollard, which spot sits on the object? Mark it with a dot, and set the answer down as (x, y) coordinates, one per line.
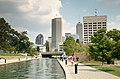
(5, 60)
(66, 61)
(62, 59)
(76, 68)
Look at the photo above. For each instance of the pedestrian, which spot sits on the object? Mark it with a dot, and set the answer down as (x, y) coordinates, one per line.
(77, 60)
(72, 58)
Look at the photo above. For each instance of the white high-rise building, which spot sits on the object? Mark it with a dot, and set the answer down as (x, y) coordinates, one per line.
(56, 32)
(91, 25)
(79, 31)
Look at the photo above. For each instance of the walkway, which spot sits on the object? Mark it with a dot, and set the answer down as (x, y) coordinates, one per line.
(85, 72)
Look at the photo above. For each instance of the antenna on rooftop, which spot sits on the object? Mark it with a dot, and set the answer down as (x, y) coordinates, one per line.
(96, 12)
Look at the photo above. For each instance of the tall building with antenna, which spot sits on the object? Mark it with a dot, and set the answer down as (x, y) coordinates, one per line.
(91, 24)
(56, 32)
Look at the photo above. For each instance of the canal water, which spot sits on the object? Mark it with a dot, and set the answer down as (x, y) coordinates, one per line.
(44, 68)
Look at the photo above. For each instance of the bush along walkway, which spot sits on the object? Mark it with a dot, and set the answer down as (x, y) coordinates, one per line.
(84, 72)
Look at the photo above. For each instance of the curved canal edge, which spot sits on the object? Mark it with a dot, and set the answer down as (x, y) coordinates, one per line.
(62, 68)
(67, 70)
(14, 60)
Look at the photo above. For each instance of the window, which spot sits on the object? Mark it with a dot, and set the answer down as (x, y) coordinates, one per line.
(94, 27)
(99, 22)
(104, 25)
(103, 22)
(90, 23)
(99, 25)
(94, 23)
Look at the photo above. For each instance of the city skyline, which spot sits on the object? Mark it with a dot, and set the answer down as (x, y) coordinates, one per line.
(35, 16)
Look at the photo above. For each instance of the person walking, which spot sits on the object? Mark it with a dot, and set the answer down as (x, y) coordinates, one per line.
(72, 58)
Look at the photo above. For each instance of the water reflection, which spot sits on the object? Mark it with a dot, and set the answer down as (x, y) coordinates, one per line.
(44, 68)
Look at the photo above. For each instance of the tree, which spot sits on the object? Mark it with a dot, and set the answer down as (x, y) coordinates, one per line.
(11, 40)
(5, 38)
(101, 47)
(77, 41)
(70, 46)
(38, 49)
(114, 35)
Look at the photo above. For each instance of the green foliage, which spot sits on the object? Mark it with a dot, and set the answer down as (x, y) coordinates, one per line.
(105, 45)
(70, 46)
(114, 35)
(11, 40)
(115, 70)
(101, 46)
(38, 49)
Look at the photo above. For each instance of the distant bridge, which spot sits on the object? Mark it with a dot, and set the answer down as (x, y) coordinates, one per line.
(50, 54)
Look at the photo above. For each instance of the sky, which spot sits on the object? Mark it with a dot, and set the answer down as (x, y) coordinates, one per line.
(34, 16)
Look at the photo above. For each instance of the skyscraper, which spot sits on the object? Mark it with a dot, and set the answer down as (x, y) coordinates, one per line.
(39, 39)
(91, 25)
(56, 32)
(79, 31)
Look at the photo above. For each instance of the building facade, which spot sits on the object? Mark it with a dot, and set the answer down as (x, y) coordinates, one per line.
(50, 43)
(79, 31)
(67, 35)
(75, 36)
(39, 39)
(56, 32)
(91, 25)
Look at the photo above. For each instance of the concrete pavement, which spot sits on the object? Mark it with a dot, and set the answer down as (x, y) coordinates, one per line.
(84, 72)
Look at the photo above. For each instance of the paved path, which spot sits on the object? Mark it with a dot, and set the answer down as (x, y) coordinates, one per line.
(85, 72)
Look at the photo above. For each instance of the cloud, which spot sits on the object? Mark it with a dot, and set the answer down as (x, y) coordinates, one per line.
(41, 10)
(9, 7)
(21, 29)
(114, 24)
(67, 28)
(33, 16)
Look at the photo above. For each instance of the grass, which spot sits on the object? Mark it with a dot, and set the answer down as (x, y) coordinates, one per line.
(112, 69)
(10, 54)
(115, 70)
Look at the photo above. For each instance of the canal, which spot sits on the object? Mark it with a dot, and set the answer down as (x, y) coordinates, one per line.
(44, 68)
